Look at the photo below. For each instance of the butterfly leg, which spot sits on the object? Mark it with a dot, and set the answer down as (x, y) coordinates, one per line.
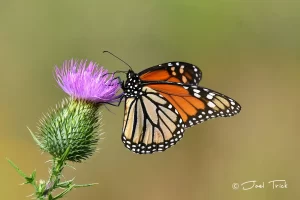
(119, 79)
(118, 103)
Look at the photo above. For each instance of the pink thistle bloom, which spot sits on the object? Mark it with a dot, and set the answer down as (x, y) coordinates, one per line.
(87, 81)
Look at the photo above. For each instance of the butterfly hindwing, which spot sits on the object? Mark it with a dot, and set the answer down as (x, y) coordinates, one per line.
(151, 123)
(173, 72)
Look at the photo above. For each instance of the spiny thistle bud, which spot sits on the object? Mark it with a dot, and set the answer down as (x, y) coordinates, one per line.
(74, 124)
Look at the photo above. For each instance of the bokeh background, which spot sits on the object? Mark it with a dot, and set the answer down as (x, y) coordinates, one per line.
(247, 49)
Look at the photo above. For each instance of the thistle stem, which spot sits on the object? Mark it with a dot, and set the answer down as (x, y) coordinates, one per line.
(55, 175)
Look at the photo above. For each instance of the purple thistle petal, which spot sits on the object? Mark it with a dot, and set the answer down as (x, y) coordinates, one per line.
(87, 81)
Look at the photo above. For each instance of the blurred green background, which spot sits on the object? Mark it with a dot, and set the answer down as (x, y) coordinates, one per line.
(247, 49)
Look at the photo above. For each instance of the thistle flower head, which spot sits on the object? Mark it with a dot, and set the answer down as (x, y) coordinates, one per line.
(87, 81)
(74, 124)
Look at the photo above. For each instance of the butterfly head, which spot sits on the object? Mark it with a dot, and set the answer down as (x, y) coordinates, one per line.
(133, 85)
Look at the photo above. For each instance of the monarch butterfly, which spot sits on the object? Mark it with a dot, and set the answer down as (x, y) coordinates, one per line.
(164, 100)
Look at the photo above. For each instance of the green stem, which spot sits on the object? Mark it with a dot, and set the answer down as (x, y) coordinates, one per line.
(54, 179)
(57, 168)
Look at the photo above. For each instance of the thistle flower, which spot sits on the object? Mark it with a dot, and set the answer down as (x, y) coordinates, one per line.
(74, 123)
(87, 82)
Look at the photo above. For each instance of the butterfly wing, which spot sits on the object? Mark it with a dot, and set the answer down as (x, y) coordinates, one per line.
(181, 72)
(196, 104)
(151, 123)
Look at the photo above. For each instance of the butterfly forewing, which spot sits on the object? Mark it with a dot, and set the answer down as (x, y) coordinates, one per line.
(151, 123)
(173, 72)
(214, 104)
(196, 104)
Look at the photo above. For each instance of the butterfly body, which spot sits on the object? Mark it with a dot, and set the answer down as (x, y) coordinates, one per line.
(133, 86)
(164, 100)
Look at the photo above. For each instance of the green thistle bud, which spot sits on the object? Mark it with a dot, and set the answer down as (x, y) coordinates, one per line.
(72, 124)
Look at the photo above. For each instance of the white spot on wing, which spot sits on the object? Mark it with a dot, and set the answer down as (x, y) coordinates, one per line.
(211, 104)
(197, 95)
(209, 96)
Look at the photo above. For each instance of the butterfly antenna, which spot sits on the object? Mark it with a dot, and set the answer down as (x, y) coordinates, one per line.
(117, 58)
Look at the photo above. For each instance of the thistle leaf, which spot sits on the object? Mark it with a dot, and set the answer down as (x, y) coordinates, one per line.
(61, 195)
(85, 185)
(33, 175)
(17, 169)
(65, 184)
